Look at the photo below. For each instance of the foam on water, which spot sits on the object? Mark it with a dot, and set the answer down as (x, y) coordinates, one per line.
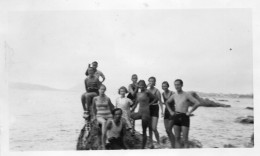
(52, 120)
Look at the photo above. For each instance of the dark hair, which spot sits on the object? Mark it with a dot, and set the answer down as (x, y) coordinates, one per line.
(103, 86)
(179, 81)
(152, 77)
(116, 109)
(142, 82)
(123, 87)
(95, 62)
(165, 82)
(134, 75)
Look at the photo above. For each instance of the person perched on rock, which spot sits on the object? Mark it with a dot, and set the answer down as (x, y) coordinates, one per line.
(145, 98)
(181, 115)
(92, 85)
(168, 119)
(154, 108)
(102, 108)
(97, 73)
(124, 103)
(115, 131)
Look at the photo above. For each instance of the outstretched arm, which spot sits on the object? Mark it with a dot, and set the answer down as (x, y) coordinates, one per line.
(196, 104)
(107, 127)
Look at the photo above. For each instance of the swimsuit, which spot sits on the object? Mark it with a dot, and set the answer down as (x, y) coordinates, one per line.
(130, 96)
(154, 108)
(181, 119)
(167, 114)
(103, 109)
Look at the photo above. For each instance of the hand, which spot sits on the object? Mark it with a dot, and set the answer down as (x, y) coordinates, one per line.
(188, 114)
(162, 114)
(172, 113)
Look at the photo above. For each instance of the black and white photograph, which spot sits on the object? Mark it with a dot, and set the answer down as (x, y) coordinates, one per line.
(129, 79)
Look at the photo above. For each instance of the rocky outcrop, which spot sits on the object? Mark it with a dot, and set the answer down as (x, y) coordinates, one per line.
(245, 120)
(207, 102)
(250, 108)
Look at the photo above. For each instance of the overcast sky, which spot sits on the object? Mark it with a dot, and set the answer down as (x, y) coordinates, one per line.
(54, 47)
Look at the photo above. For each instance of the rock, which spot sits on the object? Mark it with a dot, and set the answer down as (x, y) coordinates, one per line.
(195, 144)
(207, 102)
(89, 140)
(246, 120)
(251, 108)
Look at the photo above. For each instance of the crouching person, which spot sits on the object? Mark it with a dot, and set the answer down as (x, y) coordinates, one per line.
(115, 131)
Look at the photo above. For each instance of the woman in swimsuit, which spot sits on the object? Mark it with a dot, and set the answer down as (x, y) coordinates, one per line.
(124, 103)
(92, 85)
(145, 99)
(168, 119)
(102, 108)
(132, 88)
(154, 108)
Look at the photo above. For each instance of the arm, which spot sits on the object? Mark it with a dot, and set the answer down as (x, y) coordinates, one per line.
(170, 100)
(103, 77)
(111, 106)
(158, 94)
(196, 103)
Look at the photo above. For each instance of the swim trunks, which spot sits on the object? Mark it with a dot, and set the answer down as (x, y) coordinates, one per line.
(154, 110)
(181, 119)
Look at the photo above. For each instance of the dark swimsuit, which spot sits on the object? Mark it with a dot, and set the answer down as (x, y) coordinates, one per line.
(181, 119)
(130, 96)
(154, 108)
(167, 114)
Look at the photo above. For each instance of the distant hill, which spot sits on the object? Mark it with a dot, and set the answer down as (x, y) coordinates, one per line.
(222, 95)
(79, 87)
(29, 86)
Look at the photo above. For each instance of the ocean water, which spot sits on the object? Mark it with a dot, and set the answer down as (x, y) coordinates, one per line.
(52, 120)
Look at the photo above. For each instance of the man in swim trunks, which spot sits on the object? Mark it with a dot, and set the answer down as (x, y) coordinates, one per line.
(115, 131)
(181, 115)
(98, 73)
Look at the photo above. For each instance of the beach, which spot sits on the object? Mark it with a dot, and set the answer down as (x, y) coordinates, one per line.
(51, 120)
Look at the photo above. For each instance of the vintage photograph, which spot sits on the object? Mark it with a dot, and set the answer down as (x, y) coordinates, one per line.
(130, 79)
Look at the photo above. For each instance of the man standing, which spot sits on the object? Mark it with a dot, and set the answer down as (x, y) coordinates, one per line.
(181, 115)
(115, 130)
(98, 73)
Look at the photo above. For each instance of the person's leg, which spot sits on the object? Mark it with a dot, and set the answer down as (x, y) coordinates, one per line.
(83, 101)
(177, 131)
(185, 134)
(102, 121)
(145, 124)
(154, 128)
(170, 134)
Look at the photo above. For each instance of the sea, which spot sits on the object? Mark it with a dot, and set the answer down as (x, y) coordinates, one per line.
(51, 120)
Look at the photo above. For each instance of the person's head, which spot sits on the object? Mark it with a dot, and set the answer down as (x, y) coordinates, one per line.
(178, 83)
(117, 113)
(165, 85)
(95, 64)
(102, 89)
(122, 90)
(142, 85)
(134, 78)
(152, 81)
(90, 71)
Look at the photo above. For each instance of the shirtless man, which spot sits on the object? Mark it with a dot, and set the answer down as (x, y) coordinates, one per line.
(181, 115)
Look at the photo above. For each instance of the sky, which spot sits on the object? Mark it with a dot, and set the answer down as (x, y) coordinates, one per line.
(54, 48)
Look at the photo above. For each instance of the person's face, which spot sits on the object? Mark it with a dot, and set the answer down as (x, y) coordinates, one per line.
(134, 79)
(122, 92)
(142, 86)
(118, 115)
(91, 71)
(102, 90)
(152, 82)
(94, 65)
(178, 85)
(165, 87)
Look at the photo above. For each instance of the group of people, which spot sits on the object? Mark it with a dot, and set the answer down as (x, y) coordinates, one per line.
(116, 119)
